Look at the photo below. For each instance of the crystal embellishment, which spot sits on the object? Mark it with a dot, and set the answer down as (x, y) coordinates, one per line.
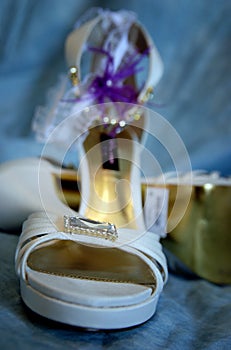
(79, 225)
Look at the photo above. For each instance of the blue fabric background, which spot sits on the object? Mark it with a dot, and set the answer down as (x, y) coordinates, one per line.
(193, 38)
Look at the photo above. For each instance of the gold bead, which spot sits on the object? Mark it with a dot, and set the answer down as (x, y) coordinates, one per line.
(148, 95)
(73, 75)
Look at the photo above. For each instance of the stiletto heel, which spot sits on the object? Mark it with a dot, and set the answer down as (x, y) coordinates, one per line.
(111, 175)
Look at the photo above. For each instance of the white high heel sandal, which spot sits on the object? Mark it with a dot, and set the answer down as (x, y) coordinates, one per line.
(87, 273)
(89, 281)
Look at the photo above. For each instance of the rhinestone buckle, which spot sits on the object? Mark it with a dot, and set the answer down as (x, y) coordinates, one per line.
(79, 225)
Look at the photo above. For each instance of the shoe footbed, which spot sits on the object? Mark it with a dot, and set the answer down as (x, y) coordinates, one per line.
(71, 259)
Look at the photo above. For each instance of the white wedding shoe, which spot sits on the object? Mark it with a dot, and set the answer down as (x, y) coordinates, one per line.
(72, 269)
(21, 183)
(89, 276)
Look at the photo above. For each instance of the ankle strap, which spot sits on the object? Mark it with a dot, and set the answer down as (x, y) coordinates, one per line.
(75, 45)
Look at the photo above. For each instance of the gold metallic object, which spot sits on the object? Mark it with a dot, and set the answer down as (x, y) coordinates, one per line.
(148, 94)
(202, 239)
(67, 185)
(73, 75)
(137, 116)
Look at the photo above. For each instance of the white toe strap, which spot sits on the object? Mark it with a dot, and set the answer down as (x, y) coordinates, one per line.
(149, 245)
(40, 230)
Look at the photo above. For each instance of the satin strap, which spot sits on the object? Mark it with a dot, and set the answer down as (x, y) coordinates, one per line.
(39, 229)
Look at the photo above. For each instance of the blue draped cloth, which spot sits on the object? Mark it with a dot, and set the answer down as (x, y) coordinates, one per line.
(193, 38)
